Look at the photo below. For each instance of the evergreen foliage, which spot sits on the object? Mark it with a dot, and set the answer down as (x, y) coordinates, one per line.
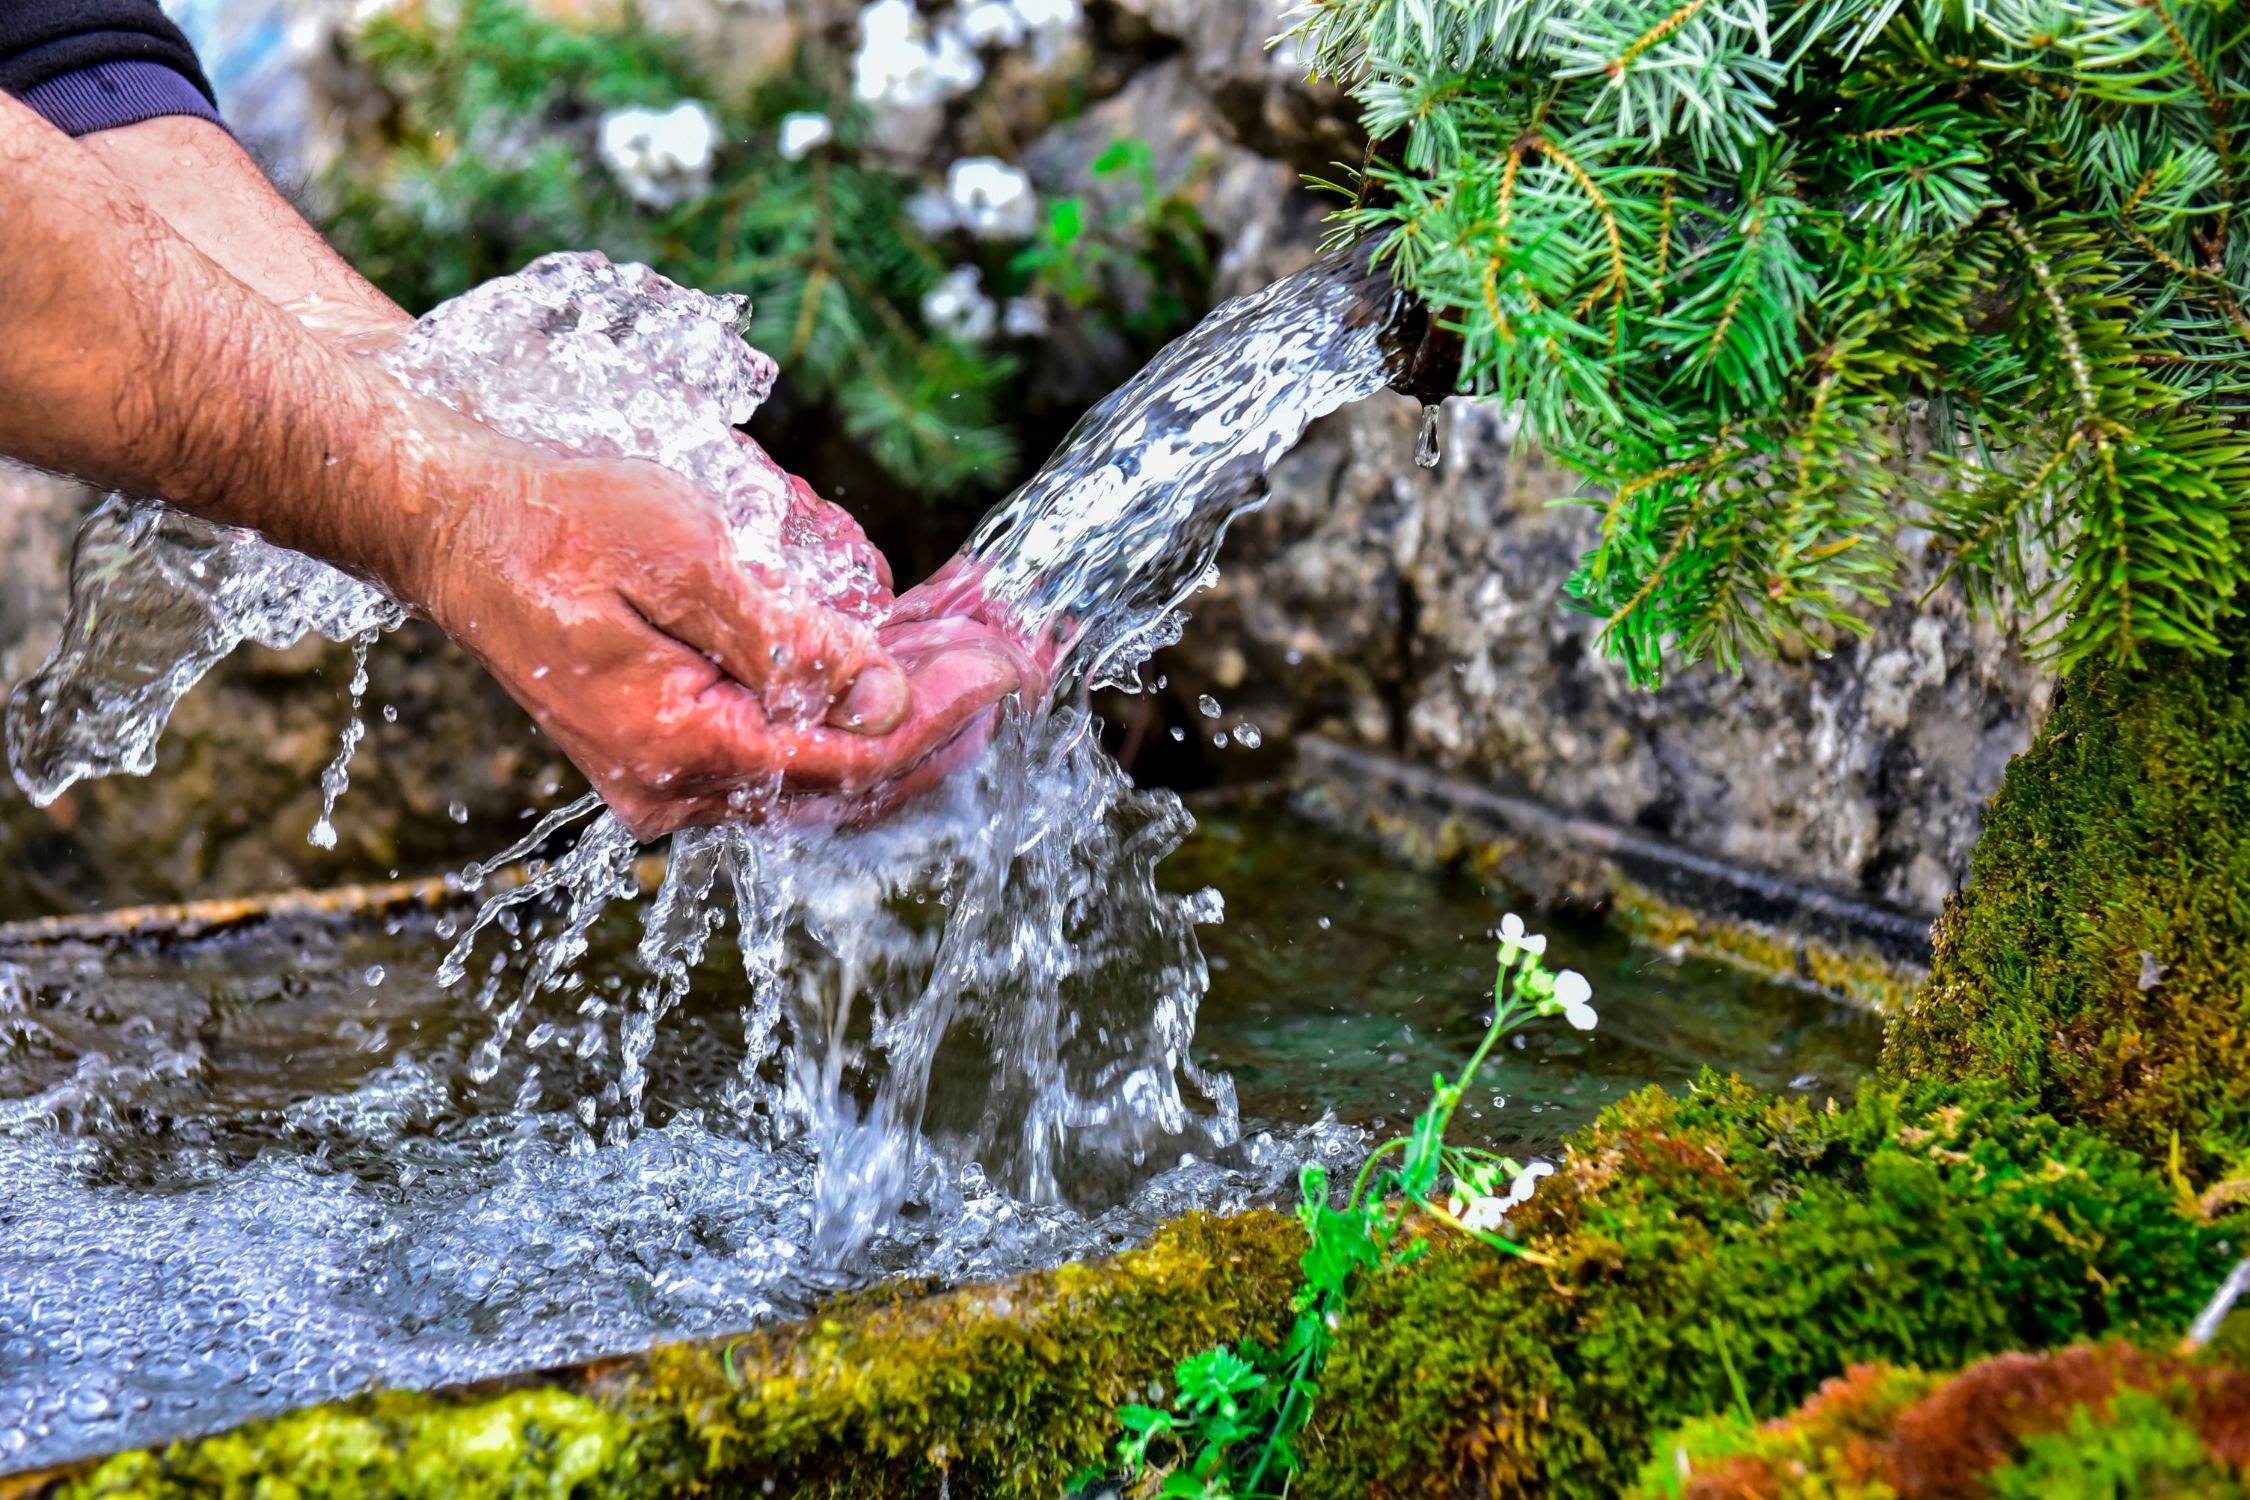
(1781, 276)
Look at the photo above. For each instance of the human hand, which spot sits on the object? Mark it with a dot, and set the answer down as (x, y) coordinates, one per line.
(947, 620)
(605, 597)
(955, 604)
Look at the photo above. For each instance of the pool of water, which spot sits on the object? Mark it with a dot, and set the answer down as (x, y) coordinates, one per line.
(246, 1172)
(1342, 980)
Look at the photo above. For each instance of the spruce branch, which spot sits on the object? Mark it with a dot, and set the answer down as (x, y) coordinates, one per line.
(1972, 265)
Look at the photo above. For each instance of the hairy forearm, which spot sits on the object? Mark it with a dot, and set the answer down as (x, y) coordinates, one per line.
(133, 360)
(198, 179)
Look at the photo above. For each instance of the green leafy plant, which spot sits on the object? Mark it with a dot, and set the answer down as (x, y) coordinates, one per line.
(1782, 276)
(1236, 1414)
(1136, 261)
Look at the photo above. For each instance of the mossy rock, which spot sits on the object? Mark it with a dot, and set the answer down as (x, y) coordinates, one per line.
(1731, 1229)
(2090, 1422)
(1785, 1238)
(999, 1389)
(2096, 963)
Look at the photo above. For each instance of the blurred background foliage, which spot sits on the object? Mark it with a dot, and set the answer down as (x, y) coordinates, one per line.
(909, 319)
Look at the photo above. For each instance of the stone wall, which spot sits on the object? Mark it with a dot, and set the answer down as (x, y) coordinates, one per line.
(1424, 612)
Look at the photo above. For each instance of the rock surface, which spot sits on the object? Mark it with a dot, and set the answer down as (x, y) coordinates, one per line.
(1424, 612)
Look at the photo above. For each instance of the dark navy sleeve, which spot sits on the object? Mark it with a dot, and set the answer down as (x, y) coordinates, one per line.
(91, 65)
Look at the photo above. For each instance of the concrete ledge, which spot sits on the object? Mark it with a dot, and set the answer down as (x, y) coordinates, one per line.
(1784, 928)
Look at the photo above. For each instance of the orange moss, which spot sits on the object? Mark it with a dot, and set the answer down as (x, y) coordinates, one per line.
(1883, 1433)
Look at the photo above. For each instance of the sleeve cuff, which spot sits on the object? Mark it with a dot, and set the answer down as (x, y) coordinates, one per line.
(106, 95)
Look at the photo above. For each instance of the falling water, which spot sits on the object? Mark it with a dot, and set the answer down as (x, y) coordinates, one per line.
(1011, 916)
(984, 987)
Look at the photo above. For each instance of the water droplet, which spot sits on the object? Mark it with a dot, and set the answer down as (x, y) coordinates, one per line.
(390, 713)
(373, 976)
(1248, 737)
(457, 810)
(85, 1405)
(1208, 706)
(1427, 450)
(1179, 735)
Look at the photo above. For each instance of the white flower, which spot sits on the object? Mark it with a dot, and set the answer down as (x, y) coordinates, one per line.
(992, 23)
(891, 24)
(955, 62)
(958, 307)
(1526, 1182)
(1025, 318)
(1535, 944)
(1486, 1214)
(901, 64)
(1052, 23)
(1511, 928)
(804, 132)
(991, 198)
(659, 156)
(1572, 990)
(1048, 15)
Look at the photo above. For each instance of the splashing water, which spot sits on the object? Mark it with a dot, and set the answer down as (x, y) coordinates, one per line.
(989, 984)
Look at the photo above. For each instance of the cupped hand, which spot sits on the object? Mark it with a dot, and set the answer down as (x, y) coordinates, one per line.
(606, 598)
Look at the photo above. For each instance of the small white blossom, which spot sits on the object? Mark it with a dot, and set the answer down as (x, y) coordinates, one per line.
(1520, 1191)
(955, 62)
(1511, 928)
(1048, 15)
(992, 23)
(803, 133)
(900, 64)
(1535, 944)
(1025, 318)
(1486, 1214)
(659, 156)
(991, 198)
(1573, 991)
(1051, 23)
(958, 307)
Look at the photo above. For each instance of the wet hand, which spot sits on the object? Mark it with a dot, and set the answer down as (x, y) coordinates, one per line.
(606, 597)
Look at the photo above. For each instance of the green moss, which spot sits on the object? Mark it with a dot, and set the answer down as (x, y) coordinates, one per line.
(522, 1445)
(998, 1390)
(1724, 1228)
(2123, 832)
(2140, 1447)
(994, 1390)
(2089, 1422)
(1730, 1227)
(1822, 1451)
